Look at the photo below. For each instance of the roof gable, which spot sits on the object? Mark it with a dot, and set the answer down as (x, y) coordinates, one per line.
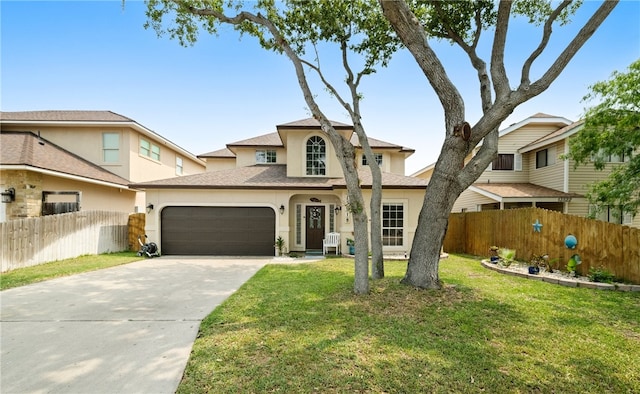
(555, 136)
(538, 118)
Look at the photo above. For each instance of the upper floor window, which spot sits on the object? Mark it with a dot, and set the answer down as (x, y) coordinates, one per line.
(316, 156)
(179, 167)
(610, 158)
(150, 150)
(504, 161)
(110, 147)
(545, 157)
(378, 157)
(265, 156)
(610, 214)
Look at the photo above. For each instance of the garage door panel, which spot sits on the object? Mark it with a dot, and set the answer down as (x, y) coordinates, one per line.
(229, 231)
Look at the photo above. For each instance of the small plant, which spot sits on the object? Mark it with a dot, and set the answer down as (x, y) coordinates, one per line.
(493, 254)
(600, 275)
(539, 260)
(573, 263)
(543, 262)
(507, 256)
(350, 242)
(280, 244)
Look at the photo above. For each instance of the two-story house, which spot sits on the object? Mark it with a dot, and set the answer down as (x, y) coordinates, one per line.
(530, 171)
(287, 183)
(83, 158)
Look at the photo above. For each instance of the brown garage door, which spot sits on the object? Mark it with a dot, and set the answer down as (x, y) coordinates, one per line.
(222, 231)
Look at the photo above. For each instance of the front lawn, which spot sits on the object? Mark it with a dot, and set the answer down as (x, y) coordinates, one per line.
(38, 273)
(299, 328)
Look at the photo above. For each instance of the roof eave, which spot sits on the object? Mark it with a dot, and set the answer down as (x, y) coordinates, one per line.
(19, 167)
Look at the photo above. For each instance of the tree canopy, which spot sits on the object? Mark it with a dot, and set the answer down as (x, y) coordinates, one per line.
(612, 129)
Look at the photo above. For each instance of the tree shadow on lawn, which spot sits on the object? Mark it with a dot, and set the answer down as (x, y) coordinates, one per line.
(321, 337)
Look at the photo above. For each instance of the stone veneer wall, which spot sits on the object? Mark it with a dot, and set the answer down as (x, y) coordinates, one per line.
(28, 185)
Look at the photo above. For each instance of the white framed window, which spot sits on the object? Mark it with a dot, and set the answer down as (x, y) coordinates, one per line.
(610, 158)
(265, 156)
(179, 165)
(545, 157)
(316, 156)
(610, 214)
(110, 147)
(149, 150)
(378, 157)
(392, 224)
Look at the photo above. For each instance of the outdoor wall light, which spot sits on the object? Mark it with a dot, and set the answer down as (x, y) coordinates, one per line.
(281, 209)
(338, 209)
(149, 208)
(9, 195)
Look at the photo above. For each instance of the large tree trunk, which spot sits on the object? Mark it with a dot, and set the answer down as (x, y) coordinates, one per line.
(361, 261)
(377, 258)
(442, 192)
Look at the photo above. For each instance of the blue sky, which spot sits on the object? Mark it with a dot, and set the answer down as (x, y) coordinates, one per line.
(95, 55)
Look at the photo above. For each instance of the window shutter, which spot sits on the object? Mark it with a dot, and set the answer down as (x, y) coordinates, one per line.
(517, 165)
(551, 155)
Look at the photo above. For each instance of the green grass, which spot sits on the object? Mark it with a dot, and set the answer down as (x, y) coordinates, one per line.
(38, 273)
(298, 328)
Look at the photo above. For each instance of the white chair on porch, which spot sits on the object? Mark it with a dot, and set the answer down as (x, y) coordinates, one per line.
(332, 240)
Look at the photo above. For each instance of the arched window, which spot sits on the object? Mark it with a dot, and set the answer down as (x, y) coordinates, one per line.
(316, 156)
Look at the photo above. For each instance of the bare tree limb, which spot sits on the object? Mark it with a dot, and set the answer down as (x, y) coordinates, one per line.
(414, 38)
(526, 67)
(525, 93)
(498, 72)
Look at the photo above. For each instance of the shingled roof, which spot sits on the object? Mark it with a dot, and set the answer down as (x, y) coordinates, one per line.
(27, 149)
(273, 176)
(312, 122)
(528, 190)
(64, 116)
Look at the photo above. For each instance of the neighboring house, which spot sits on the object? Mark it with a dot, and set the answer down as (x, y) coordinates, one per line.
(110, 141)
(530, 171)
(287, 183)
(39, 177)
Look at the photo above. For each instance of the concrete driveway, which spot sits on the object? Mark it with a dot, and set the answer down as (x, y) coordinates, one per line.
(127, 329)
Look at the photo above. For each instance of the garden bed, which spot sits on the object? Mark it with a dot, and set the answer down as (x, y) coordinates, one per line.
(557, 277)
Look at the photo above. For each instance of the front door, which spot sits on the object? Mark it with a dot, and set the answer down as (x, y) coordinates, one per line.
(315, 227)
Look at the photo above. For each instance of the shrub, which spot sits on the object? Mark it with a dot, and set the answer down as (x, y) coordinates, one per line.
(601, 275)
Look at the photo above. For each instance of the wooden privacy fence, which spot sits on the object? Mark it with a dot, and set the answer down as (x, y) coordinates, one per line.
(32, 241)
(600, 244)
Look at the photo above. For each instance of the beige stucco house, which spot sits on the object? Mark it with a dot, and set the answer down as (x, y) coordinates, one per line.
(86, 158)
(530, 171)
(287, 183)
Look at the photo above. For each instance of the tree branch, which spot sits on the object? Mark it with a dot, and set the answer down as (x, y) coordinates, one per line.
(525, 93)
(498, 72)
(546, 34)
(413, 36)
